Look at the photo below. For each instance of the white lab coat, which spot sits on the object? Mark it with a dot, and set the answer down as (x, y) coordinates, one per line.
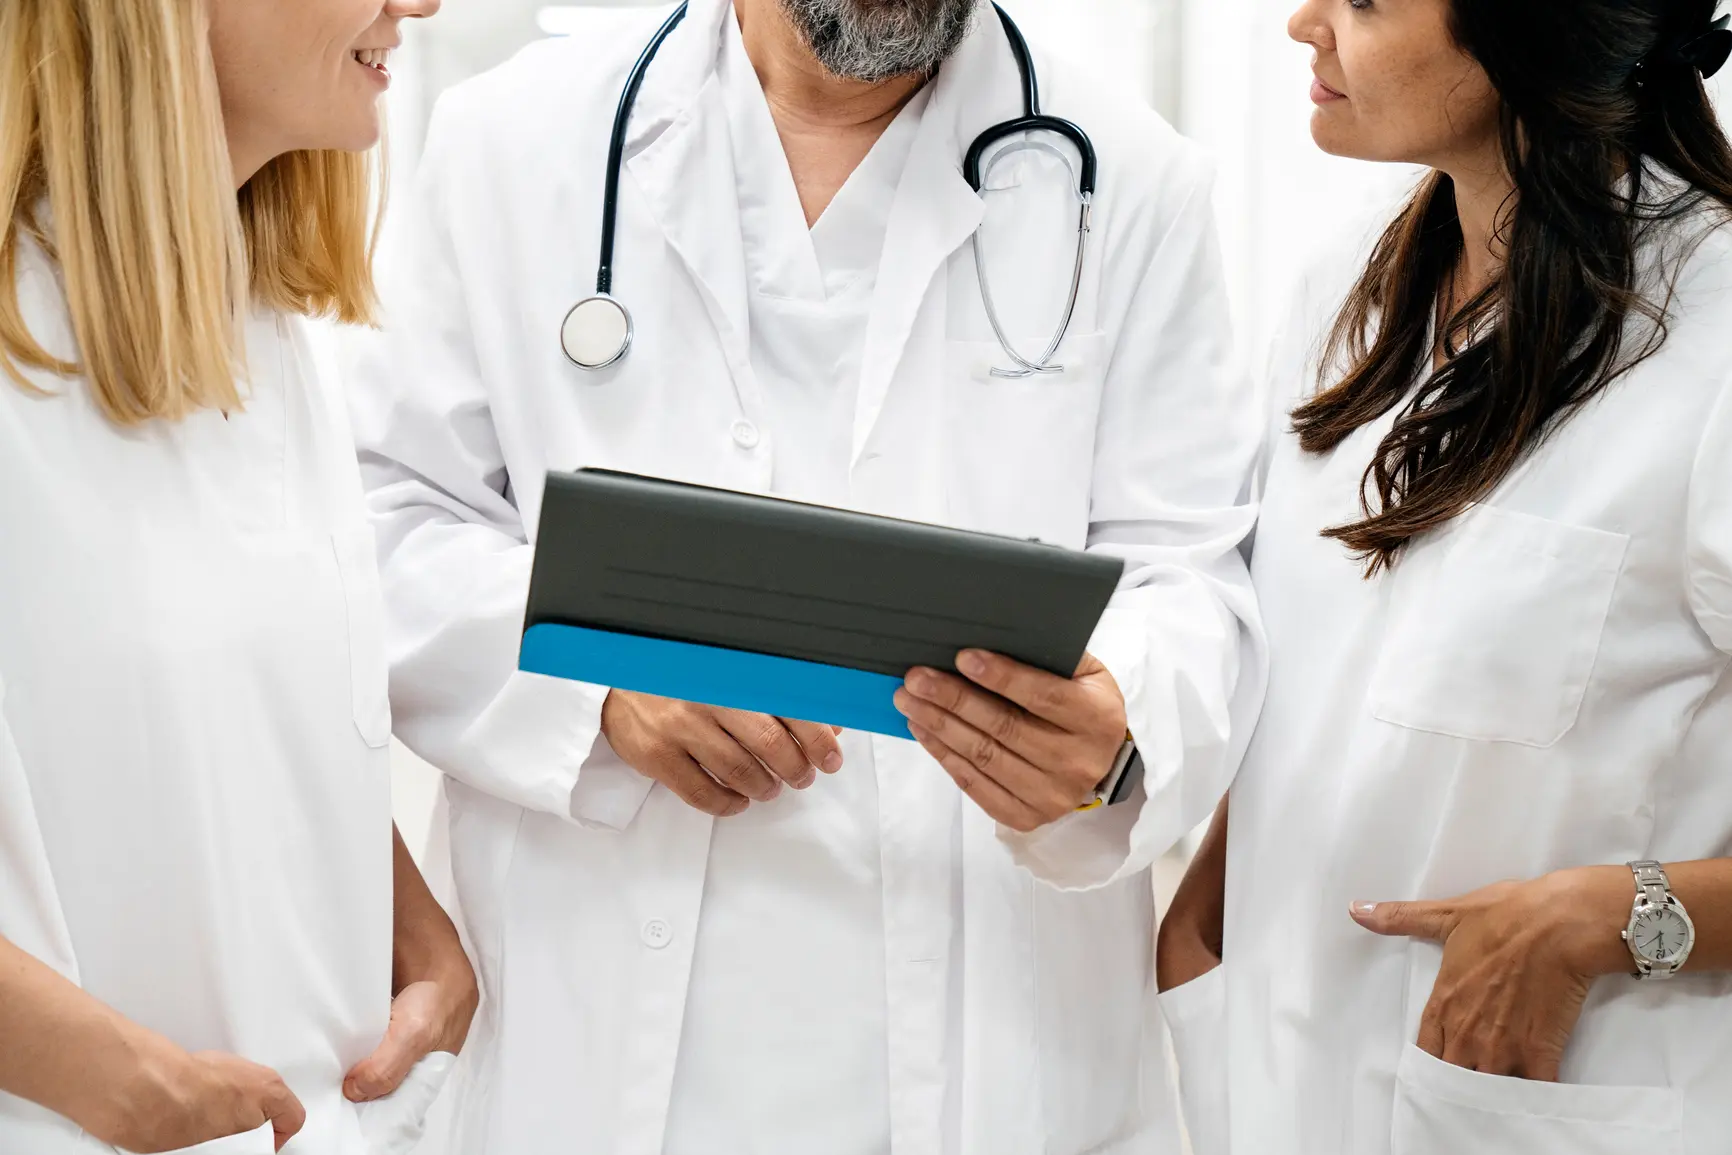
(195, 800)
(583, 885)
(1540, 685)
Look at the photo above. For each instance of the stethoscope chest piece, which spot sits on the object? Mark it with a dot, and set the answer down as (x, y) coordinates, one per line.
(597, 332)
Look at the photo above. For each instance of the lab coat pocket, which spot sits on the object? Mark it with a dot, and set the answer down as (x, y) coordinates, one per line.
(1196, 1015)
(394, 1125)
(1019, 452)
(369, 675)
(1445, 1110)
(262, 1141)
(1495, 628)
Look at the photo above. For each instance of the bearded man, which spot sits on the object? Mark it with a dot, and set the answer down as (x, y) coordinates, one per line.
(706, 932)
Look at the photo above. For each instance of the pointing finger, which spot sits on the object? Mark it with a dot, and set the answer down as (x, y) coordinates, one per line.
(1427, 920)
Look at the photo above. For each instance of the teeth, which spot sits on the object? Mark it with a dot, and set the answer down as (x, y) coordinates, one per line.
(373, 57)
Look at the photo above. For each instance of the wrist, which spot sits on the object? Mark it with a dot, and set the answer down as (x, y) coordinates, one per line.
(429, 957)
(150, 1076)
(1589, 908)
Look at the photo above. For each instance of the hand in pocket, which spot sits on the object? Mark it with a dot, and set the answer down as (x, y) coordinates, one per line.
(1518, 961)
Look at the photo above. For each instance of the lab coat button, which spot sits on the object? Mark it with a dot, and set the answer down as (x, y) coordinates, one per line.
(657, 934)
(745, 434)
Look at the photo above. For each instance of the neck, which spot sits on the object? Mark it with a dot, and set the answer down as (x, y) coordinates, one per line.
(799, 87)
(246, 156)
(827, 124)
(1483, 192)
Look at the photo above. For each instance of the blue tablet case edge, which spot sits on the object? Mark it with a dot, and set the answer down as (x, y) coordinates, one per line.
(736, 679)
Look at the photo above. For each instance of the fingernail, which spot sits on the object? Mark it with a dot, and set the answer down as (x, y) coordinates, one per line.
(774, 792)
(806, 780)
(903, 701)
(1363, 909)
(919, 681)
(832, 762)
(971, 664)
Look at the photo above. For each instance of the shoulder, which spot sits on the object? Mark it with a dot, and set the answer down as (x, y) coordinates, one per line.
(1143, 159)
(1694, 255)
(554, 85)
(1685, 271)
(42, 301)
(43, 410)
(1320, 290)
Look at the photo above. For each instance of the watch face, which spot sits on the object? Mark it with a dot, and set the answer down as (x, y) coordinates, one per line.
(1660, 935)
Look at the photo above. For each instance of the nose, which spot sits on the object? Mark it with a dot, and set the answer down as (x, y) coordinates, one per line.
(412, 9)
(1308, 27)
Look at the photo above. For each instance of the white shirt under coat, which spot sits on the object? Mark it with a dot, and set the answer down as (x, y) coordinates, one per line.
(1540, 685)
(1016, 970)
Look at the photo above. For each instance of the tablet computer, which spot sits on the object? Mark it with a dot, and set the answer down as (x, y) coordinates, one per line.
(785, 608)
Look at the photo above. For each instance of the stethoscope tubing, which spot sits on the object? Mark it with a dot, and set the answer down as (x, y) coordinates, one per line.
(616, 149)
(1032, 120)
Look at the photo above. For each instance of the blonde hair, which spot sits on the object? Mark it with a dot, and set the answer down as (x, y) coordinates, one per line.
(110, 116)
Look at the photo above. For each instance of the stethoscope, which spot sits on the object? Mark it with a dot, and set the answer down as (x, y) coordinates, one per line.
(598, 331)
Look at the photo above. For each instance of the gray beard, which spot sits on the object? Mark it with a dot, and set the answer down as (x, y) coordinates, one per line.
(873, 40)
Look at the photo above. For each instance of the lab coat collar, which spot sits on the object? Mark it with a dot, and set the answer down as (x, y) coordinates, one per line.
(681, 157)
(685, 65)
(684, 168)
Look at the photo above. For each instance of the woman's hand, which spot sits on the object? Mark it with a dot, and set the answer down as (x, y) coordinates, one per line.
(178, 1100)
(1188, 945)
(125, 1085)
(1518, 960)
(428, 1015)
(437, 994)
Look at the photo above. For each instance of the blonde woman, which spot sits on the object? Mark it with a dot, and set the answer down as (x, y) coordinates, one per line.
(196, 849)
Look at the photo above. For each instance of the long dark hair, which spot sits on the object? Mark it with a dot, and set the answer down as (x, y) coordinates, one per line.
(1590, 89)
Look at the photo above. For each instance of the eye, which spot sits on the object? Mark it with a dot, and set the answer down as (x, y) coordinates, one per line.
(1360, 5)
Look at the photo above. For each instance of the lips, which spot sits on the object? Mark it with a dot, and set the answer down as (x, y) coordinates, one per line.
(375, 58)
(1320, 89)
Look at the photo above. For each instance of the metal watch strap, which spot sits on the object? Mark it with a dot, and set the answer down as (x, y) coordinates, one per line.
(1653, 888)
(1651, 880)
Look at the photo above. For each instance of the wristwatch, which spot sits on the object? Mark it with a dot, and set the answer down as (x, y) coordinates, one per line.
(1660, 934)
(1121, 781)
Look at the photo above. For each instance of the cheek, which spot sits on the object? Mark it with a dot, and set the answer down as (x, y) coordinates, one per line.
(324, 99)
(1408, 108)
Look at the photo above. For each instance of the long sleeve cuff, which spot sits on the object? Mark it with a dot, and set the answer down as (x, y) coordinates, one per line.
(609, 793)
(532, 742)
(1183, 733)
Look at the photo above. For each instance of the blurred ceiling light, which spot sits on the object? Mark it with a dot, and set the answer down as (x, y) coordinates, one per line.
(558, 19)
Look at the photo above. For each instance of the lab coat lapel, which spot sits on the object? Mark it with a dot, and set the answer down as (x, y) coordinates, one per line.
(685, 177)
(935, 211)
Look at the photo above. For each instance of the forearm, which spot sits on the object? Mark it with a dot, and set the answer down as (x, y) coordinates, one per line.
(1604, 895)
(1189, 940)
(63, 1049)
(425, 943)
(1207, 874)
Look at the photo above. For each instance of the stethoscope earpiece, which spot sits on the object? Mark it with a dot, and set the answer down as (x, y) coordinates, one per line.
(597, 332)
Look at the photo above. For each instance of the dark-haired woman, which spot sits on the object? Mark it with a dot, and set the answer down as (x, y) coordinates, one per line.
(1496, 567)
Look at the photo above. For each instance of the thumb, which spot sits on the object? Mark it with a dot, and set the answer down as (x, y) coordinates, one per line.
(1427, 920)
(406, 1043)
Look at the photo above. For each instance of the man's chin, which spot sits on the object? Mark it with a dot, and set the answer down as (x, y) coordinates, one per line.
(872, 41)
